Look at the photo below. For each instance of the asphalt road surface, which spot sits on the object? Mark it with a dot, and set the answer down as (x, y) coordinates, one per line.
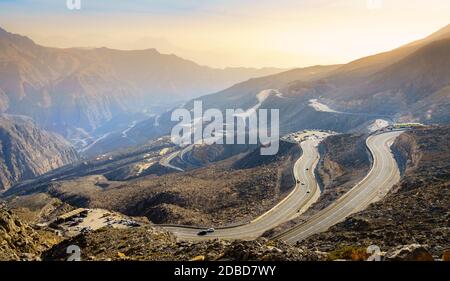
(382, 176)
(165, 161)
(305, 193)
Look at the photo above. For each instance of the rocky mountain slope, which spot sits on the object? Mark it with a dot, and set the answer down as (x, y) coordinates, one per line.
(71, 89)
(222, 192)
(27, 151)
(218, 194)
(418, 81)
(414, 212)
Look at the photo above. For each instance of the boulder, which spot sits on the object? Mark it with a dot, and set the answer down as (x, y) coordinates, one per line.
(446, 255)
(412, 252)
(198, 258)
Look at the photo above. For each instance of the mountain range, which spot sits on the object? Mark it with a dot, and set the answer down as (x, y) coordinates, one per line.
(392, 84)
(408, 84)
(80, 89)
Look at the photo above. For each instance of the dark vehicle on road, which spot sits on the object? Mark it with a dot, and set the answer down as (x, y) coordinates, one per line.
(202, 233)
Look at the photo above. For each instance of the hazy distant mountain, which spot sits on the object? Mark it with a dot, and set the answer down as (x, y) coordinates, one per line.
(63, 89)
(27, 151)
(391, 85)
(410, 83)
(371, 64)
(413, 88)
(240, 95)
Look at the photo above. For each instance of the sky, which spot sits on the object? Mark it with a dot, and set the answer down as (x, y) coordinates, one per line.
(231, 33)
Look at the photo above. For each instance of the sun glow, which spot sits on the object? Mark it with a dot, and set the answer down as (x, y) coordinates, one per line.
(282, 33)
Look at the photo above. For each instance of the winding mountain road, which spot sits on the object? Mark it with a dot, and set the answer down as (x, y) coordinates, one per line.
(305, 193)
(165, 161)
(382, 176)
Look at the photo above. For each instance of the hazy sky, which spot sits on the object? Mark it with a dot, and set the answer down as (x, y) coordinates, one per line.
(220, 33)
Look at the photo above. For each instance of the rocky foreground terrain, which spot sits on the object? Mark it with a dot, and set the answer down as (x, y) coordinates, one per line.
(23, 240)
(26, 151)
(149, 243)
(19, 240)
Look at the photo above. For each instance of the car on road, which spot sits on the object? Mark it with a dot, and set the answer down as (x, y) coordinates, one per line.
(210, 230)
(309, 191)
(131, 223)
(202, 233)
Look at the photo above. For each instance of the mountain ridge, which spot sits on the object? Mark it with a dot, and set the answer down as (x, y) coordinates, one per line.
(358, 93)
(66, 89)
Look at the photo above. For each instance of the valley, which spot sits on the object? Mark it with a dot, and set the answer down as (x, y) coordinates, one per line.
(89, 157)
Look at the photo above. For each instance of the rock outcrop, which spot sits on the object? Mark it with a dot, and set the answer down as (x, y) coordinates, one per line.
(413, 252)
(18, 240)
(27, 151)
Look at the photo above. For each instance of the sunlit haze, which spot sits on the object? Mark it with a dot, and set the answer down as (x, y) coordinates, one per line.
(224, 33)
